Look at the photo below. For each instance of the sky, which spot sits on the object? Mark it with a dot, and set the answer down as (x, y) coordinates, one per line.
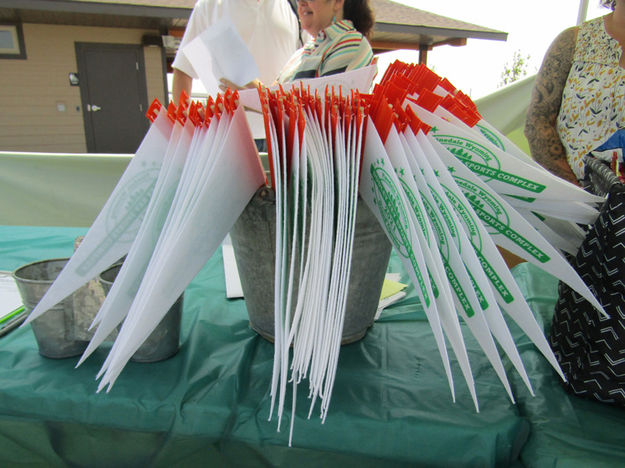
(476, 68)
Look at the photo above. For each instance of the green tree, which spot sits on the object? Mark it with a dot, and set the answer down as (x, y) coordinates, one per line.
(516, 70)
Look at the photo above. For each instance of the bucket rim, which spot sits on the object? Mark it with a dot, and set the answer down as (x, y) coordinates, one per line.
(114, 265)
(16, 276)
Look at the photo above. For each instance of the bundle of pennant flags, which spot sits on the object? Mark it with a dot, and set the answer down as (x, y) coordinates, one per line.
(445, 185)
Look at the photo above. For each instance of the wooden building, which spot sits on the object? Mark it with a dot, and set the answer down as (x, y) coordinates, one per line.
(77, 75)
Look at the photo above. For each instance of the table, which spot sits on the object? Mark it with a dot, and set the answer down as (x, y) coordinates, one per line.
(209, 404)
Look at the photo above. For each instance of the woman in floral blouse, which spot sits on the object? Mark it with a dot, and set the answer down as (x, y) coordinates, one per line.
(578, 101)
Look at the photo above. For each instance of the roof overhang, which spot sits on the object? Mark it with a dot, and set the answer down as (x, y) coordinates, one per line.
(100, 8)
(392, 37)
(424, 31)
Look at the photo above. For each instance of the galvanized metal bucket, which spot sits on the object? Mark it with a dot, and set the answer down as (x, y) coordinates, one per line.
(58, 331)
(253, 240)
(164, 341)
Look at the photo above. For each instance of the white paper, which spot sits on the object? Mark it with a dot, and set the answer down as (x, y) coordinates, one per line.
(10, 298)
(234, 290)
(360, 79)
(220, 52)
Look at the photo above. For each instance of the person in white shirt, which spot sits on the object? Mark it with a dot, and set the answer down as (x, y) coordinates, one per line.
(269, 28)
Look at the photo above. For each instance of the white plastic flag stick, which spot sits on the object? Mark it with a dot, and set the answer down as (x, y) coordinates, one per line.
(315, 277)
(305, 255)
(380, 189)
(274, 152)
(299, 176)
(348, 166)
(510, 230)
(507, 292)
(122, 293)
(282, 300)
(317, 306)
(279, 264)
(327, 181)
(336, 162)
(237, 173)
(115, 227)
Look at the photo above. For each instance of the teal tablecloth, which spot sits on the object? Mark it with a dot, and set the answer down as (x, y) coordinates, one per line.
(209, 404)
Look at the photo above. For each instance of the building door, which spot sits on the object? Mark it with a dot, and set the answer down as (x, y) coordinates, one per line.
(114, 96)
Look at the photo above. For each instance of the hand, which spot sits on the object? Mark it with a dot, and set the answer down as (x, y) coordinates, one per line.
(225, 83)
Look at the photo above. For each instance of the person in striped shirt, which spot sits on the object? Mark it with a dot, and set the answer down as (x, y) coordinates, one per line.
(338, 30)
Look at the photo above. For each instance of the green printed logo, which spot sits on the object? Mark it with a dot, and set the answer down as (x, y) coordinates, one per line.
(417, 210)
(446, 214)
(465, 149)
(478, 292)
(493, 214)
(443, 246)
(491, 136)
(484, 163)
(471, 228)
(388, 200)
(128, 206)
(125, 214)
(421, 220)
(495, 279)
(457, 287)
(465, 214)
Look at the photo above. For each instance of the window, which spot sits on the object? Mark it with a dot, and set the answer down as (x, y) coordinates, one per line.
(12, 42)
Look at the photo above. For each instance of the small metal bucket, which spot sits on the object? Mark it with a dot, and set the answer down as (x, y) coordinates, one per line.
(164, 341)
(253, 240)
(58, 330)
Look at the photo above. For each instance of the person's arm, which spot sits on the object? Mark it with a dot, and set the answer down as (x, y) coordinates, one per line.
(225, 83)
(182, 82)
(540, 125)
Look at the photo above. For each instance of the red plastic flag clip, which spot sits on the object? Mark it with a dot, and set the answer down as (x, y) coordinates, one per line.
(153, 110)
(171, 112)
(183, 105)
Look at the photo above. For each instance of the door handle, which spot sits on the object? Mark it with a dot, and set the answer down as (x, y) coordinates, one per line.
(93, 108)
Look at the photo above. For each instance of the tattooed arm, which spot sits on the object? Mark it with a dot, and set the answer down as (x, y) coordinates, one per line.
(540, 124)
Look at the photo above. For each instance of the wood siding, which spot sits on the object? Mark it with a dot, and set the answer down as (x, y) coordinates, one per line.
(32, 90)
